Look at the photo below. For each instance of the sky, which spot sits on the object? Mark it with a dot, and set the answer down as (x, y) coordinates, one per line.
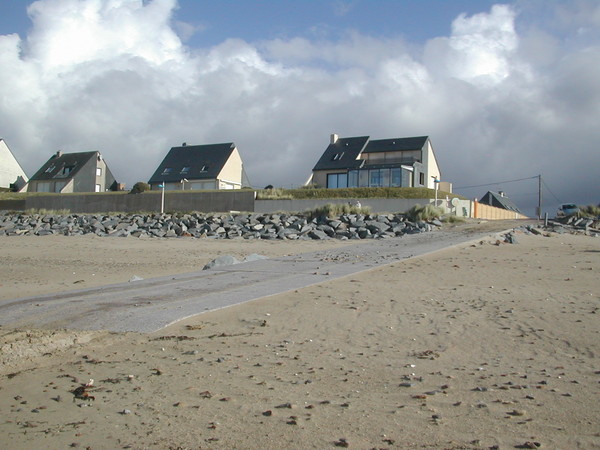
(505, 91)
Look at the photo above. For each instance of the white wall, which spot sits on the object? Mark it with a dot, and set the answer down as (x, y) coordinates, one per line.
(10, 169)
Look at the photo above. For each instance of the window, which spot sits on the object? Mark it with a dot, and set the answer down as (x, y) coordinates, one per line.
(396, 177)
(337, 180)
(98, 188)
(353, 178)
(49, 169)
(185, 170)
(167, 170)
(67, 170)
(337, 156)
(43, 186)
(422, 179)
(363, 178)
(98, 171)
(375, 178)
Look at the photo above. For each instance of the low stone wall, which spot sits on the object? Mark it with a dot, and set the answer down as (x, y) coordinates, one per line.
(217, 226)
(205, 201)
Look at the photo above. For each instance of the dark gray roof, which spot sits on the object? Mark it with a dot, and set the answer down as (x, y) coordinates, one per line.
(55, 167)
(396, 144)
(497, 200)
(342, 154)
(193, 162)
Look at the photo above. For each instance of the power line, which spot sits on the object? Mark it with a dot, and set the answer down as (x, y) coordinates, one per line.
(496, 183)
(552, 193)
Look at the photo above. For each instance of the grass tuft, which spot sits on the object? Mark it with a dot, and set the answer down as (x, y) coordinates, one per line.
(331, 210)
(424, 213)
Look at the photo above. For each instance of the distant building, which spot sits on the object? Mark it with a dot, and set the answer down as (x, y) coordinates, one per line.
(212, 166)
(12, 175)
(362, 162)
(73, 172)
(499, 200)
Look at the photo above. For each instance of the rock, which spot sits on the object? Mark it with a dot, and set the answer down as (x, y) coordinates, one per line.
(317, 234)
(221, 261)
(254, 257)
(135, 278)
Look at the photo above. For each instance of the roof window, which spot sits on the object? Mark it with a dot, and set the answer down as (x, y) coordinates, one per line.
(204, 168)
(49, 169)
(167, 170)
(185, 169)
(337, 156)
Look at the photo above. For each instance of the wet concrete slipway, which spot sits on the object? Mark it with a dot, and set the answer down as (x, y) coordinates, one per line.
(151, 304)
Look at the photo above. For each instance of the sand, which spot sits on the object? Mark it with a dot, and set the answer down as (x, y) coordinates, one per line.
(479, 346)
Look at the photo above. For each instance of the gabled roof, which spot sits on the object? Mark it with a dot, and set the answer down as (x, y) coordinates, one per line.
(396, 144)
(343, 154)
(193, 162)
(499, 201)
(54, 168)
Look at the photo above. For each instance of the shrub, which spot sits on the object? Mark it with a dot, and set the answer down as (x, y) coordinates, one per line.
(332, 210)
(589, 211)
(273, 194)
(453, 219)
(427, 212)
(139, 187)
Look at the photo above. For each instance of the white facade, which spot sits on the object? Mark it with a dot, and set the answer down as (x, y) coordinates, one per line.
(11, 171)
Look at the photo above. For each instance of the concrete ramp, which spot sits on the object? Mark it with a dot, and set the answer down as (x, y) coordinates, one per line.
(149, 305)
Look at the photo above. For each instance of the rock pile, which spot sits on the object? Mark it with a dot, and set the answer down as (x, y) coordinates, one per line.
(588, 225)
(216, 226)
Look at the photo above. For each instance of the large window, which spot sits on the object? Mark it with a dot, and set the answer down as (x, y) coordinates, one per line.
(353, 178)
(337, 180)
(396, 174)
(375, 178)
(386, 177)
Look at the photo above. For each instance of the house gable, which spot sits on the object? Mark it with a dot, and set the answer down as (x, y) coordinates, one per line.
(201, 164)
(63, 166)
(73, 172)
(342, 154)
(499, 200)
(11, 172)
(361, 162)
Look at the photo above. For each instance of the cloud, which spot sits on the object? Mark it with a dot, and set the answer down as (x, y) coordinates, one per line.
(501, 98)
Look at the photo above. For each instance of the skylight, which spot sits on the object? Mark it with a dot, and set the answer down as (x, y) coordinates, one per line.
(167, 170)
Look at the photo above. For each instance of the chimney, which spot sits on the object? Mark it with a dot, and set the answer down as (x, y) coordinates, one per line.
(334, 138)
(184, 144)
(501, 193)
(58, 154)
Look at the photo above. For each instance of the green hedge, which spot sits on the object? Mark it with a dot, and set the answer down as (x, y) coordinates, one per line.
(307, 193)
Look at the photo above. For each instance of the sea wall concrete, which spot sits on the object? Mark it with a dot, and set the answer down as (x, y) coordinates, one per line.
(217, 201)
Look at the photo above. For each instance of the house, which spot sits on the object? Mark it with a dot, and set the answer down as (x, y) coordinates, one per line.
(212, 166)
(499, 200)
(362, 162)
(12, 175)
(73, 172)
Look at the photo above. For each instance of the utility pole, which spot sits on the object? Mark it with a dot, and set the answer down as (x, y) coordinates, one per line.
(539, 208)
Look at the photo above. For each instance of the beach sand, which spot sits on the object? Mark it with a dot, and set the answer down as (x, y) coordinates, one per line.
(485, 345)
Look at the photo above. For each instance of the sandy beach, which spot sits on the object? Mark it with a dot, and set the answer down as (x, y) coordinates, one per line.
(485, 345)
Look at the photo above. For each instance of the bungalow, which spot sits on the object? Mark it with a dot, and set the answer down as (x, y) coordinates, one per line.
(73, 172)
(499, 200)
(212, 166)
(362, 162)
(12, 175)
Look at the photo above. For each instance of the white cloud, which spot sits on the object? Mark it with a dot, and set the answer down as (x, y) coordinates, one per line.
(499, 104)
